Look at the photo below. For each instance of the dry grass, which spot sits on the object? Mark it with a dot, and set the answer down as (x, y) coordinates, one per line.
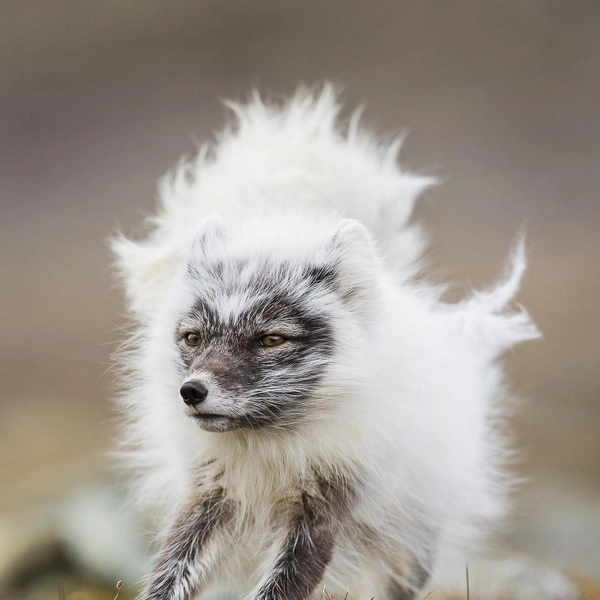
(590, 590)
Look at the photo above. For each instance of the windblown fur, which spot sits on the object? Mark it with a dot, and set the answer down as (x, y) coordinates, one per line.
(362, 453)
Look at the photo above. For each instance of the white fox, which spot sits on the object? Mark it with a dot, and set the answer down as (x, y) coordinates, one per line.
(305, 412)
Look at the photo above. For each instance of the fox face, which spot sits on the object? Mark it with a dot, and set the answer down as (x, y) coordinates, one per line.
(258, 333)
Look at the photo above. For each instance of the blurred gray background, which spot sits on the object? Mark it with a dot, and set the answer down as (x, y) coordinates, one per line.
(501, 100)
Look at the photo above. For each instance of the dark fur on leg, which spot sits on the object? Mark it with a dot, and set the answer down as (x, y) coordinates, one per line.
(176, 575)
(310, 541)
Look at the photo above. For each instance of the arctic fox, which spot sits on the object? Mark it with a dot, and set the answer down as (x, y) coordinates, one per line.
(308, 415)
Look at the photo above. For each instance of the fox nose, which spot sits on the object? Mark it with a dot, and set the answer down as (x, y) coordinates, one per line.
(193, 392)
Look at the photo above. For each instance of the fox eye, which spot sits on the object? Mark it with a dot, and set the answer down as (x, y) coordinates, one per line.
(272, 340)
(192, 339)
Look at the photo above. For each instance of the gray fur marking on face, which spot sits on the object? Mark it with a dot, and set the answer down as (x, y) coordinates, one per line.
(273, 383)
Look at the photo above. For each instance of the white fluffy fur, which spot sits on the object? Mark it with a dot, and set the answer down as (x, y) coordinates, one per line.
(416, 394)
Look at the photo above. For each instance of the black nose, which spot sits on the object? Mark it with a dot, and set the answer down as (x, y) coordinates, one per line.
(193, 392)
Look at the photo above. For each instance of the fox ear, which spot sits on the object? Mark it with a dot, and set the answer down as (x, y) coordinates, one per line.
(356, 264)
(143, 267)
(146, 267)
(213, 232)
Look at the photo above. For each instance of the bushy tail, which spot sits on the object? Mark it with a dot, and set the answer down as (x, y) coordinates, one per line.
(295, 153)
(486, 317)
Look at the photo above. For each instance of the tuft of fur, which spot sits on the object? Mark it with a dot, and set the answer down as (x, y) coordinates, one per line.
(365, 452)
